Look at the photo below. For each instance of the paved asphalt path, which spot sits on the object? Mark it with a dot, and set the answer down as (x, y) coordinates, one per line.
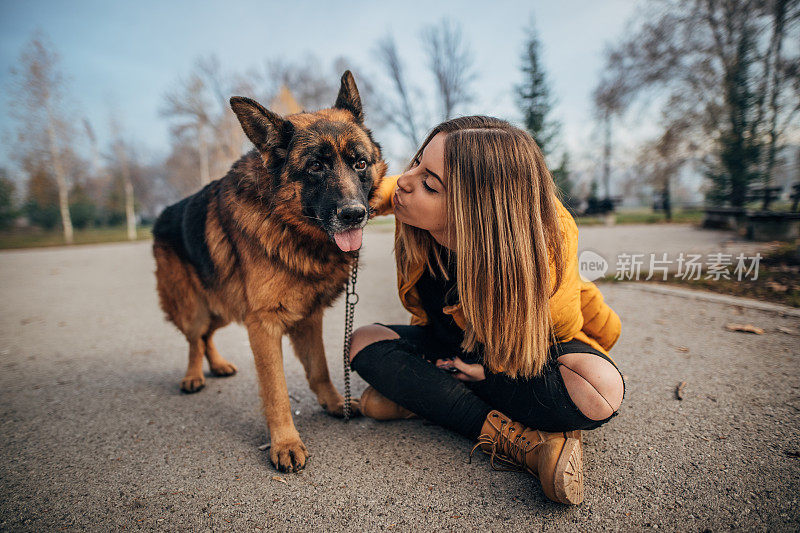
(95, 434)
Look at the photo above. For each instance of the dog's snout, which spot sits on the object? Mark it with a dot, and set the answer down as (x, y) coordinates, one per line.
(351, 214)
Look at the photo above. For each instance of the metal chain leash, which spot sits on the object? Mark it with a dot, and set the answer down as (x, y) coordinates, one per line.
(351, 299)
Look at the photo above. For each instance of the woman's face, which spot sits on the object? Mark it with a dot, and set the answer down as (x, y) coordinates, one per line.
(420, 193)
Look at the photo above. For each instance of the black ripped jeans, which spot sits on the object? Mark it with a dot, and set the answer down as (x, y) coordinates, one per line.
(403, 371)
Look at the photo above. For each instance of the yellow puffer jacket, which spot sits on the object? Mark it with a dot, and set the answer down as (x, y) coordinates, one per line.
(577, 308)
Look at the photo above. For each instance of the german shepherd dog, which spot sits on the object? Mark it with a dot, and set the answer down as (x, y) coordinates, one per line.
(268, 246)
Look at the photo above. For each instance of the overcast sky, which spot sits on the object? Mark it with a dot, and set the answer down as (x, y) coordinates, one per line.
(132, 52)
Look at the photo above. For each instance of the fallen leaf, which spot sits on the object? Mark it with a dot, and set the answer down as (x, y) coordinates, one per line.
(679, 390)
(777, 287)
(745, 328)
(265, 446)
(788, 331)
(279, 479)
(683, 349)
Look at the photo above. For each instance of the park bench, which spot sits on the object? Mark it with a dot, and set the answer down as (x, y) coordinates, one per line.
(724, 217)
(761, 224)
(766, 195)
(604, 206)
(772, 226)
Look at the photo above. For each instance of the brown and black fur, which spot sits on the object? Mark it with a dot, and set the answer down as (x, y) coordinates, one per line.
(256, 247)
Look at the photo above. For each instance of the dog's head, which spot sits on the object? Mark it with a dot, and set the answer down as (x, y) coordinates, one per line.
(326, 163)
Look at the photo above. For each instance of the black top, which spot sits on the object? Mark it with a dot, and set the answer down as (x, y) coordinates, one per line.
(435, 294)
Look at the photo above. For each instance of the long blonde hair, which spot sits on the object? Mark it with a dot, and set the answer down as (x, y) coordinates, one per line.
(501, 206)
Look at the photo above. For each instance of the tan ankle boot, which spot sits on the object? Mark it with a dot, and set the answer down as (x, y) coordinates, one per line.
(376, 405)
(555, 458)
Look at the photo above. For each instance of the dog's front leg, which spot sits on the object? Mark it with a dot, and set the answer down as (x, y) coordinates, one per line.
(287, 451)
(306, 338)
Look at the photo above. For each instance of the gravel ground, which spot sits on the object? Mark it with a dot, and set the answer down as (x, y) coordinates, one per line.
(95, 434)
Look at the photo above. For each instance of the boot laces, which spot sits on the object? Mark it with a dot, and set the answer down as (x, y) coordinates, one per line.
(509, 451)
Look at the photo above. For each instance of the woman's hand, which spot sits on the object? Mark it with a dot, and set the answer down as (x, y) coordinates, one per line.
(466, 372)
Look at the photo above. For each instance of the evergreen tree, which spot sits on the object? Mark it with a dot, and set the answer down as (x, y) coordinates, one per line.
(41, 203)
(564, 184)
(7, 210)
(81, 207)
(533, 95)
(739, 151)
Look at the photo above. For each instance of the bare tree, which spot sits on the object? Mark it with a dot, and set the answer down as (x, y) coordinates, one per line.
(781, 79)
(93, 145)
(721, 68)
(38, 106)
(659, 162)
(202, 122)
(206, 135)
(228, 136)
(121, 153)
(399, 111)
(190, 104)
(307, 80)
(181, 165)
(608, 104)
(451, 63)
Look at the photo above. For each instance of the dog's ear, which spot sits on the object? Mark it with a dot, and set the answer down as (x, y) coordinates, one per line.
(265, 129)
(348, 97)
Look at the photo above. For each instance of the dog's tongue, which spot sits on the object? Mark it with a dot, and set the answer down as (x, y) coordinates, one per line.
(349, 240)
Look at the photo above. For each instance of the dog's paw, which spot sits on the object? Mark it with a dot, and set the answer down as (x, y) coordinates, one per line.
(192, 383)
(290, 456)
(337, 409)
(223, 368)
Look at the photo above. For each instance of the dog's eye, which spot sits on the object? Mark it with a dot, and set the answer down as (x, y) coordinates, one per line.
(361, 164)
(316, 166)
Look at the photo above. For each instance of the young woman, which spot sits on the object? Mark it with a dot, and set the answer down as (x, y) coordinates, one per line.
(507, 345)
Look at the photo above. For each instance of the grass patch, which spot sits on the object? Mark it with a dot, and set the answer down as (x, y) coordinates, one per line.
(37, 238)
(382, 221)
(646, 216)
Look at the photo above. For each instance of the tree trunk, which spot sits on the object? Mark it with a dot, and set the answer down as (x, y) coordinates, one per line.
(61, 181)
(130, 215)
(607, 155)
(205, 176)
(779, 16)
(666, 201)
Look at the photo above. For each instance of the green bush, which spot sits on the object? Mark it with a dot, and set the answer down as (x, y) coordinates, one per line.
(7, 210)
(83, 214)
(45, 216)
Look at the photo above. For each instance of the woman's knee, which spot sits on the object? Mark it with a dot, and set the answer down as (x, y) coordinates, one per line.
(367, 335)
(594, 384)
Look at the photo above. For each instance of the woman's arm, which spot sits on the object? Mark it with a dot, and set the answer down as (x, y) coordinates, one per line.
(600, 322)
(578, 305)
(565, 304)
